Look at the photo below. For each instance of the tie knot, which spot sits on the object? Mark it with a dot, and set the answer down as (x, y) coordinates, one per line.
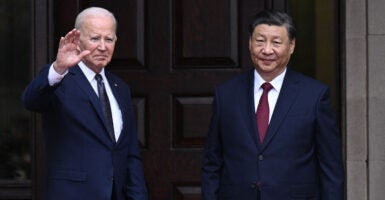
(98, 77)
(266, 86)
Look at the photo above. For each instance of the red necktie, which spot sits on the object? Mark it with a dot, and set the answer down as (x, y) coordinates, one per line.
(262, 114)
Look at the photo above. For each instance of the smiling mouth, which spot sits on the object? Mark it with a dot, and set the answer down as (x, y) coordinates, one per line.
(266, 60)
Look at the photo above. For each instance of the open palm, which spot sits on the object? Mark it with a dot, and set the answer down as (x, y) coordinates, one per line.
(68, 53)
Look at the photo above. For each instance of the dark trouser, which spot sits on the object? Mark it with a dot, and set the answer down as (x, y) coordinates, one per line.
(113, 195)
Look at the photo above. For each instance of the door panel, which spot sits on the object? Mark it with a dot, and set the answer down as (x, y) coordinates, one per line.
(172, 53)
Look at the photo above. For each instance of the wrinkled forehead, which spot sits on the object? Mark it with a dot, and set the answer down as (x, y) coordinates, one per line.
(98, 25)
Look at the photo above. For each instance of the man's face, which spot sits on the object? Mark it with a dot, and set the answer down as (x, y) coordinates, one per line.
(97, 34)
(270, 50)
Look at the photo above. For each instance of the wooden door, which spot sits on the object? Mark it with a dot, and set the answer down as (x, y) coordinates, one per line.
(172, 53)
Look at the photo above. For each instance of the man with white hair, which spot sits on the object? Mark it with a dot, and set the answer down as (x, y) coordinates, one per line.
(88, 120)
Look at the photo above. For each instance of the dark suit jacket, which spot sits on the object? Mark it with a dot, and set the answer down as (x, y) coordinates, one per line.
(300, 158)
(82, 161)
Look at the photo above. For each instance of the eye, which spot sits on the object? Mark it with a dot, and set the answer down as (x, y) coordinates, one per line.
(259, 41)
(109, 40)
(94, 39)
(277, 43)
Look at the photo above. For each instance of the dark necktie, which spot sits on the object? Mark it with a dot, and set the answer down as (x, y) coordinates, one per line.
(105, 105)
(262, 114)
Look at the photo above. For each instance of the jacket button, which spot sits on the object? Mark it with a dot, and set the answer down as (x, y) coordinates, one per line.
(260, 157)
(253, 185)
(111, 178)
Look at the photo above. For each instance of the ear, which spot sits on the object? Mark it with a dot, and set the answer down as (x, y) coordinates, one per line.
(292, 45)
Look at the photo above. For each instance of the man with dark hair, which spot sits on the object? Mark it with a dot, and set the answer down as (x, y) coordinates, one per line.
(273, 135)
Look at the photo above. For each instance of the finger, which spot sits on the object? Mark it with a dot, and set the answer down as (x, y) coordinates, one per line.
(93, 49)
(76, 37)
(61, 42)
(83, 53)
(69, 37)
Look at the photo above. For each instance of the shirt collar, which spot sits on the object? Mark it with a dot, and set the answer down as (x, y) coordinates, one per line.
(276, 82)
(90, 75)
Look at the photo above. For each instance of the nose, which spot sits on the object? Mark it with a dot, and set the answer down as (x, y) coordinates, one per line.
(102, 45)
(267, 49)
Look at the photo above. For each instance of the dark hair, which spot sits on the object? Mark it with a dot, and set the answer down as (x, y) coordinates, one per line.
(272, 17)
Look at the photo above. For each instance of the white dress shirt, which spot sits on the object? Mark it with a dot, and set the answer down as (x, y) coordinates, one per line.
(54, 77)
(273, 93)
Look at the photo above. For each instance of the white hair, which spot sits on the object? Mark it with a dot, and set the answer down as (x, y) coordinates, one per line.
(94, 11)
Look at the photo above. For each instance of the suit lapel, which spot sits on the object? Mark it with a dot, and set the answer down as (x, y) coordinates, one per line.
(287, 96)
(84, 84)
(246, 98)
(115, 87)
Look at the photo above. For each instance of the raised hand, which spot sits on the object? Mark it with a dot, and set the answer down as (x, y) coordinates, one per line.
(69, 53)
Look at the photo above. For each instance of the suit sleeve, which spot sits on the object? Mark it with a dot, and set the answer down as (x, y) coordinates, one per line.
(38, 95)
(212, 158)
(136, 188)
(329, 151)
